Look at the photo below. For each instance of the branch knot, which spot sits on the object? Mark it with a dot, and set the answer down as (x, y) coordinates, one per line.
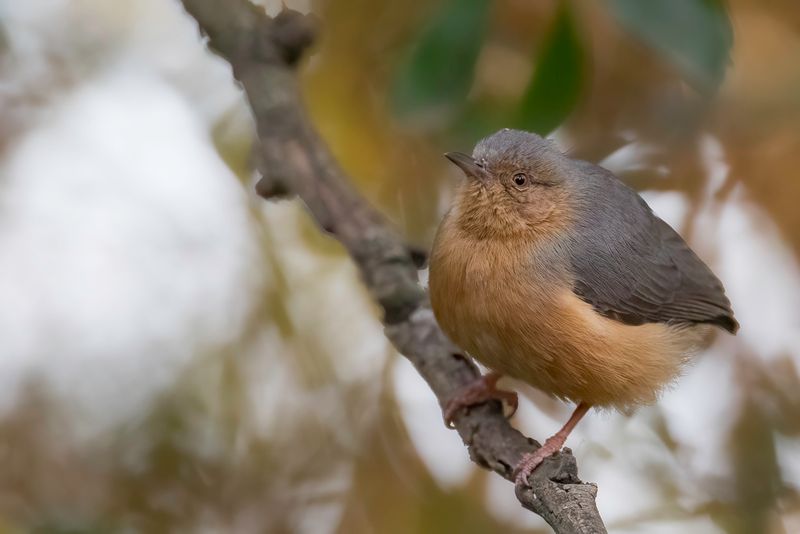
(293, 33)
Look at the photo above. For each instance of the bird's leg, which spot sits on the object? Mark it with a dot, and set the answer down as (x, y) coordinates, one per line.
(551, 446)
(484, 388)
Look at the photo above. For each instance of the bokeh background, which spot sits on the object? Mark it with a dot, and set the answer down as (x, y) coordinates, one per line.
(177, 355)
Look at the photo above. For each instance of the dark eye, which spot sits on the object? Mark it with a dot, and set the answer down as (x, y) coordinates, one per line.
(520, 179)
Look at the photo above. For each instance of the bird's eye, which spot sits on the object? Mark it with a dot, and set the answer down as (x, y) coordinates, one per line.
(520, 179)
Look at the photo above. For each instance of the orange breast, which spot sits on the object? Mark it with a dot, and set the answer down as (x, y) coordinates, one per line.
(518, 315)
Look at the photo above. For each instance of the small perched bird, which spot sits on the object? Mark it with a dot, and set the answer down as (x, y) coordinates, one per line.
(552, 271)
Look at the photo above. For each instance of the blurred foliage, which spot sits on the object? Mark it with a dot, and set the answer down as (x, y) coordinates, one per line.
(695, 34)
(433, 83)
(435, 79)
(558, 79)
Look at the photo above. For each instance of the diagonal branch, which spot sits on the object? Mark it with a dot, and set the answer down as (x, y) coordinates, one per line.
(263, 52)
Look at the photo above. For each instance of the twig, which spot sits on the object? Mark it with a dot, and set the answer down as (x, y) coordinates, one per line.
(293, 159)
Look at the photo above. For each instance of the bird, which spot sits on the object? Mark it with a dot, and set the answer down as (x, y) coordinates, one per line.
(552, 271)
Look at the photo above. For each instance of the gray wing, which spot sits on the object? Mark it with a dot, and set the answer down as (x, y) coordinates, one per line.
(631, 266)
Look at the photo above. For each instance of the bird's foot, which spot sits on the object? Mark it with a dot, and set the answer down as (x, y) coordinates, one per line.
(552, 445)
(532, 460)
(484, 388)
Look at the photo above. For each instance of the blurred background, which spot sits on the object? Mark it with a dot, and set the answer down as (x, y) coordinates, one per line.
(177, 355)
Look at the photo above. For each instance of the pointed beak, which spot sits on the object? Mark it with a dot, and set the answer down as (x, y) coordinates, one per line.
(467, 164)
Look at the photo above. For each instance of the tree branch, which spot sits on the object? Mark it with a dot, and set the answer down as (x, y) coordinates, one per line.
(293, 159)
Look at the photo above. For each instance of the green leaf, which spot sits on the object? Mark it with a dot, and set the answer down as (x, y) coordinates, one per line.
(558, 78)
(695, 35)
(434, 80)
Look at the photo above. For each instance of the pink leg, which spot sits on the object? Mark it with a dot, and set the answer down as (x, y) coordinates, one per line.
(551, 446)
(484, 388)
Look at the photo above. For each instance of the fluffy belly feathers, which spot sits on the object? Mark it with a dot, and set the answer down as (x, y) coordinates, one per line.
(511, 322)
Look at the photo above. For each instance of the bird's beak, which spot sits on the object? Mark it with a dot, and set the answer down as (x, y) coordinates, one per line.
(467, 164)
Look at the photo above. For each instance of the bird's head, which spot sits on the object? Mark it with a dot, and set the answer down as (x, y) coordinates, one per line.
(517, 184)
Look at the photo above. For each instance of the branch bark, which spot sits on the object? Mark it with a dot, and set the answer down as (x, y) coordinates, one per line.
(263, 52)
